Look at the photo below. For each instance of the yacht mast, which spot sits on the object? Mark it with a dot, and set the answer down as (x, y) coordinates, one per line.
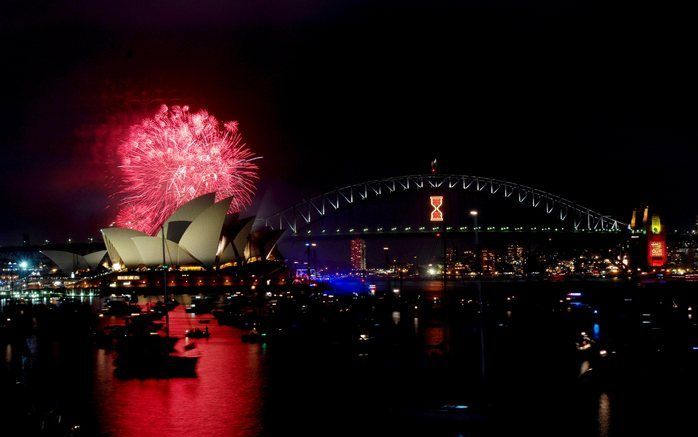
(164, 274)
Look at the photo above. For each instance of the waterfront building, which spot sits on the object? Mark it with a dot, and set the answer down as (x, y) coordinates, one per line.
(199, 235)
(488, 261)
(516, 258)
(70, 262)
(357, 254)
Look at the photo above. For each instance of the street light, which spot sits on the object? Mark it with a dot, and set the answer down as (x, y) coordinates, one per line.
(22, 266)
(478, 260)
(474, 214)
(308, 246)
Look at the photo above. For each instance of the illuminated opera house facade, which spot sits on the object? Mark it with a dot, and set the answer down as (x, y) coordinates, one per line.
(199, 244)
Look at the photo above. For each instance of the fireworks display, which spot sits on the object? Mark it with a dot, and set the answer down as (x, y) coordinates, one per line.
(176, 156)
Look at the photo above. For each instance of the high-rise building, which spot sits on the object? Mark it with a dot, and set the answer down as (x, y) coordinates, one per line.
(650, 250)
(516, 258)
(656, 243)
(357, 254)
(451, 255)
(488, 261)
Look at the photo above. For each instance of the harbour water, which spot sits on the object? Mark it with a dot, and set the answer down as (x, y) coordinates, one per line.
(421, 374)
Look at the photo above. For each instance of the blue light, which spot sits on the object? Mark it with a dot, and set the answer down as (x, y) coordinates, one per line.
(596, 331)
(347, 285)
(455, 407)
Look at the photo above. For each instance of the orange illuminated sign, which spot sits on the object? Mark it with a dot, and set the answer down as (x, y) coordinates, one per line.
(436, 214)
(656, 250)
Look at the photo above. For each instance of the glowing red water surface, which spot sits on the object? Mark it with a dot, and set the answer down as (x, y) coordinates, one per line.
(223, 400)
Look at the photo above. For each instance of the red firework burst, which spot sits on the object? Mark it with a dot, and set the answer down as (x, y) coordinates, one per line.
(176, 156)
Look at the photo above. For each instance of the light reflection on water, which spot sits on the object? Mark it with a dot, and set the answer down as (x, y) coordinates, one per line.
(604, 415)
(596, 332)
(225, 398)
(396, 317)
(238, 391)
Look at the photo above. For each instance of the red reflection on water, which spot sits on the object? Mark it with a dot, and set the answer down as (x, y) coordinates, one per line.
(433, 288)
(434, 336)
(224, 399)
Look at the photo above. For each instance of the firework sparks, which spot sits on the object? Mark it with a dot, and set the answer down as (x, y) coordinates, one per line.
(176, 156)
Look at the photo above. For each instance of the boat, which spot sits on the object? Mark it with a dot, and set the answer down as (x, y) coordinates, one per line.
(201, 305)
(253, 336)
(144, 353)
(160, 308)
(119, 306)
(197, 333)
(145, 356)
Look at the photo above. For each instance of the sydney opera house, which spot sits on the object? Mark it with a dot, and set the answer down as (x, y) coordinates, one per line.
(198, 239)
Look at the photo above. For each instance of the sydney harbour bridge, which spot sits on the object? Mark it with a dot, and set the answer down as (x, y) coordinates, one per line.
(571, 217)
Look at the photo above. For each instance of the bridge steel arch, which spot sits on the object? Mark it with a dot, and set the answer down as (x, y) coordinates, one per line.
(307, 211)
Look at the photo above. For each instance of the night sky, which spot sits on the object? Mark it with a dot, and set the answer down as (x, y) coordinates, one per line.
(595, 104)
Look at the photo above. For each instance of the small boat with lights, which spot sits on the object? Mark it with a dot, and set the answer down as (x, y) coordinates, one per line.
(143, 356)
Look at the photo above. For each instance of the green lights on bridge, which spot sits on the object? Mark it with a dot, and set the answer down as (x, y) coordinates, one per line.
(458, 229)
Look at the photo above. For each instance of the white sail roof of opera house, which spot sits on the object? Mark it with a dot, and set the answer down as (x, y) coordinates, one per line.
(202, 236)
(122, 250)
(69, 262)
(193, 237)
(235, 249)
(150, 250)
(184, 215)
